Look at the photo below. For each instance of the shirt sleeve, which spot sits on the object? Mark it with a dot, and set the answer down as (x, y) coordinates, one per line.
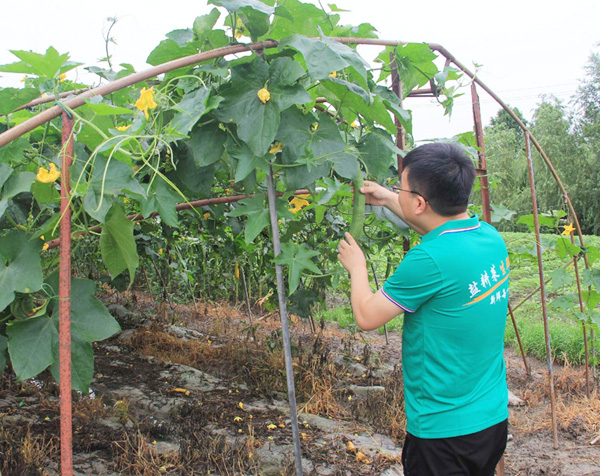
(416, 280)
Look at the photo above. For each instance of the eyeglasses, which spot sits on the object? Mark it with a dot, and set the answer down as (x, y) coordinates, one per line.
(395, 188)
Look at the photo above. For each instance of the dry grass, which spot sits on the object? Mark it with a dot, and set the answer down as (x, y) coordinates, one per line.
(23, 454)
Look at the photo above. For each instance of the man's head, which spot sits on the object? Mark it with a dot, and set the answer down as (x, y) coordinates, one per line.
(443, 175)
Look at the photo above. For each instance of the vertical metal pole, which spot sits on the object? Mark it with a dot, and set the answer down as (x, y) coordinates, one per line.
(482, 171)
(514, 321)
(64, 303)
(285, 333)
(583, 324)
(536, 222)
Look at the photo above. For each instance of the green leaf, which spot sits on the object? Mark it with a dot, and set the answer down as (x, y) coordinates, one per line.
(591, 277)
(12, 98)
(297, 258)
(560, 278)
(181, 36)
(162, 198)
(20, 266)
(235, 5)
(247, 162)
(82, 365)
(500, 212)
(90, 320)
(257, 214)
(544, 220)
(592, 298)
(118, 181)
(350, 55)
(416, 65)
(204, 24)
(296, 17)
(321, 60)
(3, 352)
(301, 301)
(257, 123)
(207, 144)
(30, 345)
(190, 109)
(45, 193)
(566, 249)
(104, 109)
(48, 65)
(378, 153)
(256, 22)
(117, 244)
(14, 152)
(15, 184)
(168, 50)
(564, 303)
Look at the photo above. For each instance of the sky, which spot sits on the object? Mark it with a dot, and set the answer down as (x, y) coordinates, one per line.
(525, 49)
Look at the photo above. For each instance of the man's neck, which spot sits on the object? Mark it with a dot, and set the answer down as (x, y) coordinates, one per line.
(433, 221)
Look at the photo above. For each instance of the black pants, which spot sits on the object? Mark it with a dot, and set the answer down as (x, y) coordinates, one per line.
(476, 454)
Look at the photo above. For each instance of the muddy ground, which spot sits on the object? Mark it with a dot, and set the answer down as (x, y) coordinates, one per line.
(202, 390)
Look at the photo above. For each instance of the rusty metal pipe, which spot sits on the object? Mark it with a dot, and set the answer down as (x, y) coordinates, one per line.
(179, 207)
(64, 303)
(536, 222)
(483, 178)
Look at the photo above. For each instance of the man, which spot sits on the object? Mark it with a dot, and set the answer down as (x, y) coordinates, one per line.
(453, 290)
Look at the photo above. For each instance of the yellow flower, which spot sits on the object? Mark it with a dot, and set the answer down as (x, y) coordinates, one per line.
(62, 77)
(42, 238)
(24, 78)
(355, 124)
(314, 127)
(250, 455)
(276, 148)
(237, 418)
(228, 191)
(238, 34)
(160, 252)
(333, 75)
(206, 216)
(146, 100)
(297, 204)
(271, 427)
(47, 176)
(241, 405)
(45, 247)
(568, 230)
(264, 95)
(123, 128)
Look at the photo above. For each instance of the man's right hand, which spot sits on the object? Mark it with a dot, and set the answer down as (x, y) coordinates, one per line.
(378, 195)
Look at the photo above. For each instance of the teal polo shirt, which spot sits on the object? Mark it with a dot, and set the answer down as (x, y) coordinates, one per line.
(453, 288)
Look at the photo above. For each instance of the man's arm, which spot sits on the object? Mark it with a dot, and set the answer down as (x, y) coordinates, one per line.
(371, 310)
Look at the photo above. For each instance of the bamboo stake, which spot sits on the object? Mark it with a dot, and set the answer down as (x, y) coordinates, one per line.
(64, 303)
(536, 222)
(285, 333)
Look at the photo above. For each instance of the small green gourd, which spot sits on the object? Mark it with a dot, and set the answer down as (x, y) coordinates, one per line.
(358, 209)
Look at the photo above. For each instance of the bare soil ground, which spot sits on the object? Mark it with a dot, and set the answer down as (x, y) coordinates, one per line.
(144, 418)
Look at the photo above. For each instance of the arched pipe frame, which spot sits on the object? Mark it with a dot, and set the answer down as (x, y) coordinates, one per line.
(65, 240)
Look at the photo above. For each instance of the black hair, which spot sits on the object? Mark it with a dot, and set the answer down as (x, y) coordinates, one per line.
(443, 174)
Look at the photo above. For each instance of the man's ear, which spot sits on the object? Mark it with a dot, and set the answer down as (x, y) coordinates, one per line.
(420, 206)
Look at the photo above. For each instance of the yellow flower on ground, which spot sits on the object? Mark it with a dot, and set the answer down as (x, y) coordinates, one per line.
(333, 75)
(237, 418)
(47, 176)
(276, 148)
(241, 405)
(271, 427)
(264, 95)
(297, 204)
(123, 128)
(568, 230)
(146, 101)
